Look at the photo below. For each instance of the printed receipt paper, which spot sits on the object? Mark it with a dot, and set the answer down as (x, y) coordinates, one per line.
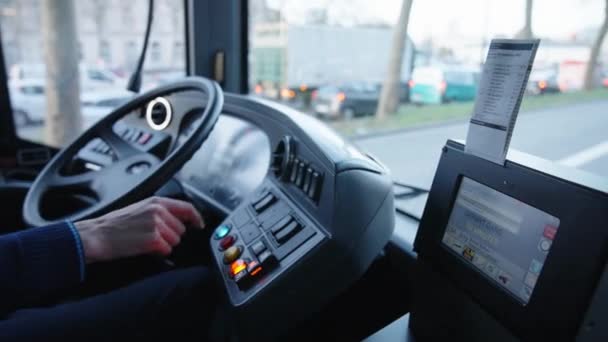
(503, 82)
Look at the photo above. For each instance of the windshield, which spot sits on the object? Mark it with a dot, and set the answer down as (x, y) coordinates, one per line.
(312, 51)
(108, 40)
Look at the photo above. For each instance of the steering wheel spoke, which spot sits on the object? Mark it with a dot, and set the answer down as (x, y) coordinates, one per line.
(122, 149)
(73, 181)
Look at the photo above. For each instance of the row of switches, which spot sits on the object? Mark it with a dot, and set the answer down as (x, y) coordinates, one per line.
(285, 229)
(306, 178)
(263, 202)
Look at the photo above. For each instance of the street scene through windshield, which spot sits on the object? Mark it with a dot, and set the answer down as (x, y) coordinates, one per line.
(195, 169)
(331, 59)
(397, 78)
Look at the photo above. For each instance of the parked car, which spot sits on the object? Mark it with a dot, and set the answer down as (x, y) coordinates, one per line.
(347, 100)
(28, 101)
(543, 81)
(434, 85)
(91, 77)
(98, 104)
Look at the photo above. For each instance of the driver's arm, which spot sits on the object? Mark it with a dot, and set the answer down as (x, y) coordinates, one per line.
(37, 262)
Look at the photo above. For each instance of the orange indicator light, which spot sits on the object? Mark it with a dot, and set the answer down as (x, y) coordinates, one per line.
(237, 267)
(254, 268)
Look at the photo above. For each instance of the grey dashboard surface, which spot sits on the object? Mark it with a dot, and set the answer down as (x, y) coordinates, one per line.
(231, 163)
(234, 161)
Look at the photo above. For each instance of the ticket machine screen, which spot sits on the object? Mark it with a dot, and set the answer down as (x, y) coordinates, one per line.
(503, 238)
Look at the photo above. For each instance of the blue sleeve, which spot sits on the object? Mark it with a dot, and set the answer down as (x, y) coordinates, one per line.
(37, 262)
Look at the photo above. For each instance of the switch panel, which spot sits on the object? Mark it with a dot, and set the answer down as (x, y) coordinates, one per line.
(250, 232)
(283, 233)
(264, 203)
(262, 238)
(258, 247)
(288, 232)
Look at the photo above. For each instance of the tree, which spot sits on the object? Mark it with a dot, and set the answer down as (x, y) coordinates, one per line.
(526, 31)
(595, 51)
(389, 97)
(63, 121)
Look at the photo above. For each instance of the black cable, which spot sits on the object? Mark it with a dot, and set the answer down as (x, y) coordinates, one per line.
(135, 79)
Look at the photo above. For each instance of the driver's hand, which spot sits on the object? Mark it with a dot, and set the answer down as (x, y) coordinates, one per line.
(152, 226)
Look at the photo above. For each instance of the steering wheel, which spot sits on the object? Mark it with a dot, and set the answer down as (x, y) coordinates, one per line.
(134, 172)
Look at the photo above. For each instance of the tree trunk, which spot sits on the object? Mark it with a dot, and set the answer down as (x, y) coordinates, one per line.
(526, 31)
(63, 121)
(389, 97)
(595, 51)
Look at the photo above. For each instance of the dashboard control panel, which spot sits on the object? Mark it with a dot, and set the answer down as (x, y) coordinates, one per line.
(259, 240)
(309, 229)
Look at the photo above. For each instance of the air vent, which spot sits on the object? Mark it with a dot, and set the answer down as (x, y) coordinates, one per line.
(282, 158)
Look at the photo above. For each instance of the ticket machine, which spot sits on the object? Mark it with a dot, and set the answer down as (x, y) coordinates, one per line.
(513, 252)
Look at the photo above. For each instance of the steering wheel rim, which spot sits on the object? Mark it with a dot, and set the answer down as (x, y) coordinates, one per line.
(119, 172)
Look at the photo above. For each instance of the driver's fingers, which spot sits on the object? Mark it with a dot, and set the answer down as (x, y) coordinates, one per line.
(175, 224)
(184, 211)
(161, 246)
(167, 234)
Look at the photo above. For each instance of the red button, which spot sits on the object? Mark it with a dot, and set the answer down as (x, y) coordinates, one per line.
(226, 242)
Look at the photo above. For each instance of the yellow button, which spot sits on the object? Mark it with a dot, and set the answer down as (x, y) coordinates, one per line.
(231, 254)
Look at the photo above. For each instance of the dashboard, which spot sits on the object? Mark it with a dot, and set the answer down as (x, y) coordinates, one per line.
(296, 218)
(304, 209)
(231, 163)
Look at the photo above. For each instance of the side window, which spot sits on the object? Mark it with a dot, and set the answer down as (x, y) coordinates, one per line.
(108, 38)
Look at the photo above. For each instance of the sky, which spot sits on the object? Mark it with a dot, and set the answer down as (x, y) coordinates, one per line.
(556, 19)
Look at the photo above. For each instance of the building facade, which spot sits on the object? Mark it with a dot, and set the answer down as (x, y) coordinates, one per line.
(110, 33)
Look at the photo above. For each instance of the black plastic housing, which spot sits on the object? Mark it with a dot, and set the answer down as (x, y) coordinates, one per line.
(351, 219)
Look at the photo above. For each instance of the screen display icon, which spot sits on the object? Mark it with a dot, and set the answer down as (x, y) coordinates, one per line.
(506, 240)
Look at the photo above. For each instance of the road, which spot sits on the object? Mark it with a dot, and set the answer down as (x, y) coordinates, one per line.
(576, 135)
